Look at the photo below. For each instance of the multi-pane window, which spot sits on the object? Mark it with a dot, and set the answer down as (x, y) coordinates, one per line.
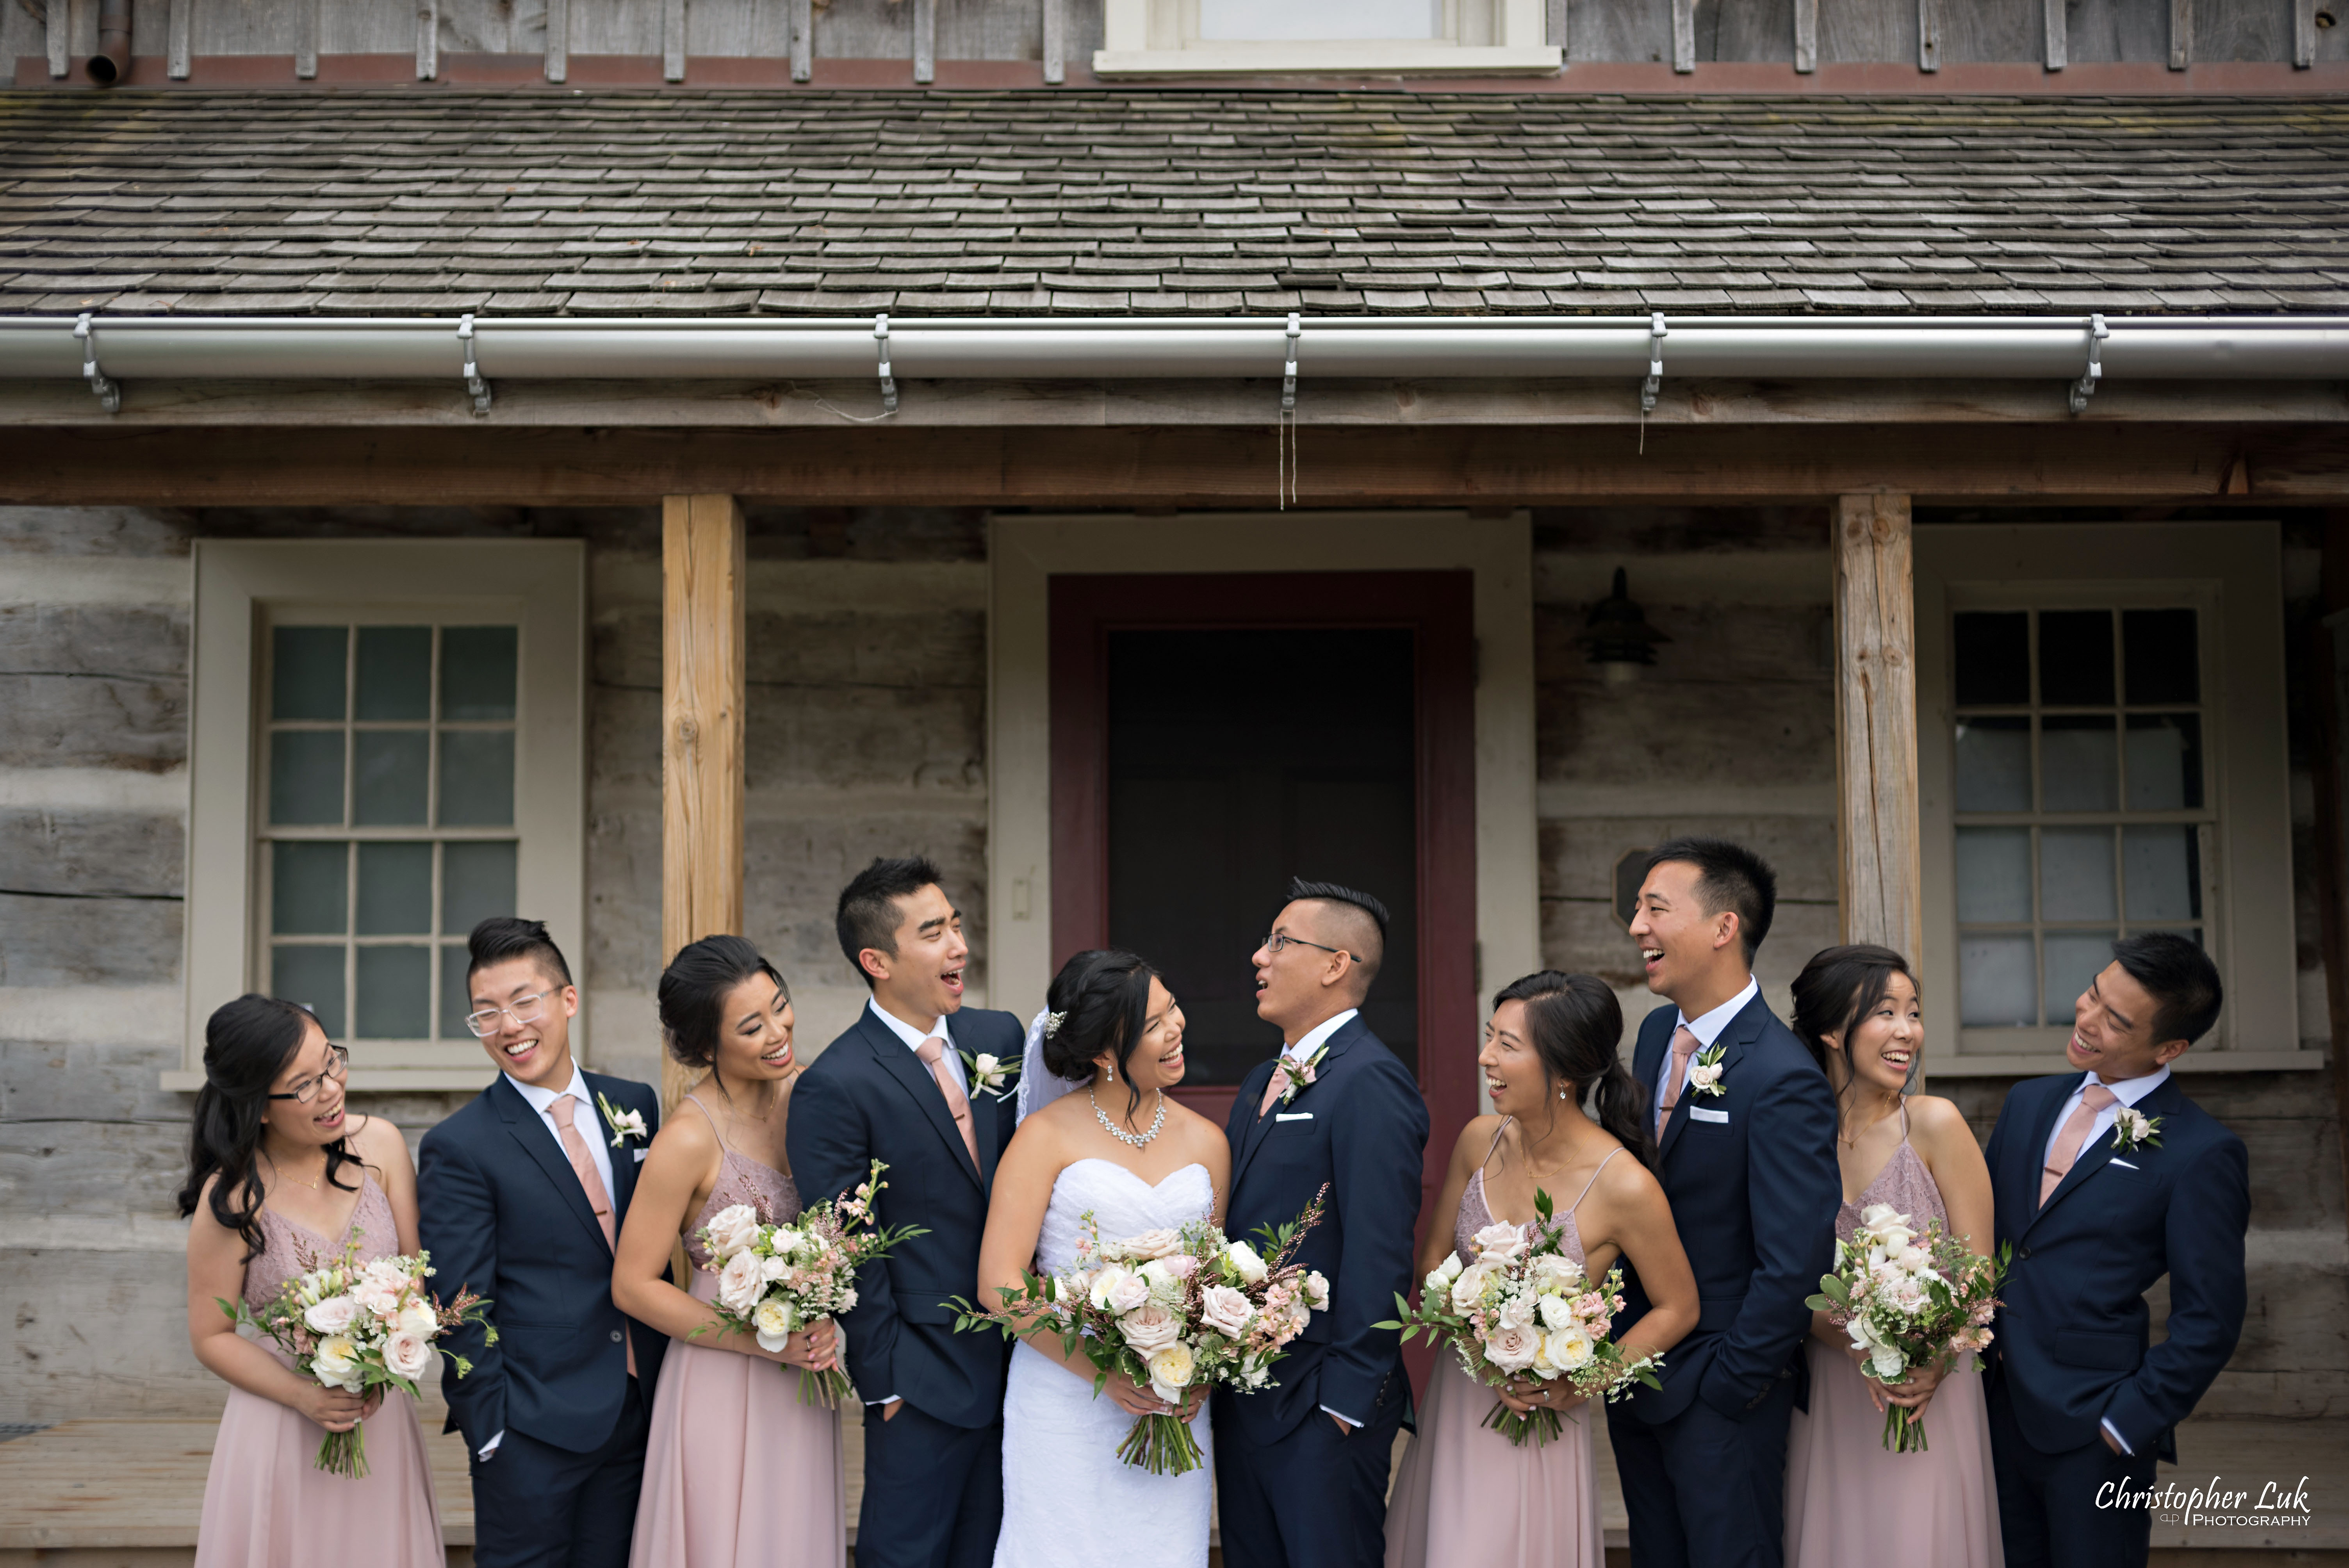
(2082, 808)
(387, 817)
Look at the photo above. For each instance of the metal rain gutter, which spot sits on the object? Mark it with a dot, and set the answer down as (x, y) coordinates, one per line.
(2079, 350)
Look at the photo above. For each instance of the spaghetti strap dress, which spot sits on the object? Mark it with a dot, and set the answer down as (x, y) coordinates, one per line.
(1465, 1496)
(736, 1469)
(266, 1503)
(1850, 1503)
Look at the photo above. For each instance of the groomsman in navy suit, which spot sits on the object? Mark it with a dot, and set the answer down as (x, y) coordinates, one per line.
(2105, 1179)
(1301, 1469)
(1745, 1136)
(896, 1088)
(518, 1196)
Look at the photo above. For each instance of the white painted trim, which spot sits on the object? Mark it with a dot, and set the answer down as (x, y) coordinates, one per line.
(1430, 58)
(48, 580)
(1025, 553)
(235, 582)
(2236, 567)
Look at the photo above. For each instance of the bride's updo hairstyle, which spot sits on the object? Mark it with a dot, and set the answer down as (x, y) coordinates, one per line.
(692, 995)
(1577, 1028)
(1103, 999)
(1836, 989)
(247, 1043)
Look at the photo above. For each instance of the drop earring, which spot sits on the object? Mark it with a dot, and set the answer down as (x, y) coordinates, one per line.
(1112, 1074)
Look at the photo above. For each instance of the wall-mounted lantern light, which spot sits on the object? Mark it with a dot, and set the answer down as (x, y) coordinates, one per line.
(1617, 635)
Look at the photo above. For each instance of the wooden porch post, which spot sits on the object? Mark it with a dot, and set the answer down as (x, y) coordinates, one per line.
(702, 586)
(1876, 723)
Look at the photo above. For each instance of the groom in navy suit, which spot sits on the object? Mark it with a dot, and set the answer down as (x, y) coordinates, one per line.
(518, 1196)
(1745, 1148)
(1301, 1469)
(896, 1088)
(2105, 1179)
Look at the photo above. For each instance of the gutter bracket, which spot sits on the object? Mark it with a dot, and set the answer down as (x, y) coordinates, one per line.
(107, 393)
(2086, 386)
(473, 382)
(1657, 332)
(881, 346)
(1289, 376)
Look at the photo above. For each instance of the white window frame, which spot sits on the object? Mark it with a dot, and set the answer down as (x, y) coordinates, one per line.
(2233, 573)
(540, 585)
(1161, 37)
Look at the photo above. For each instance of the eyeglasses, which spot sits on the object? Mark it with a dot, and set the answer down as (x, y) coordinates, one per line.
(1275, 942)
(339, 1067)
(525, 1010)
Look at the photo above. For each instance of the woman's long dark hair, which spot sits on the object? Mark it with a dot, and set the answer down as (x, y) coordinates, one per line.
(1577, 1029)
(1103, 999)
(1836, 989)
(693, 991)
(247, 1043)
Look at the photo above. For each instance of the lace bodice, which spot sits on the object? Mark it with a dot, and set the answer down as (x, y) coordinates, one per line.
(1474, 1216)
(1905, 1185)
(1121, 1204)
(740, 1180)
(290, 1248)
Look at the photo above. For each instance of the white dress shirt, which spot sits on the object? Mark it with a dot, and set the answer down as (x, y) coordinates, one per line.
(1707, 1028)
(2127, 1091)
(951, 1061)
(1312, 1040)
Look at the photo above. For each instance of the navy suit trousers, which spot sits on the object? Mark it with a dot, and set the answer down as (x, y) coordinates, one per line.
(933, 1491)
(1703, 1489)
(1313, 1499)
(538, 1506)
(2047, 1503)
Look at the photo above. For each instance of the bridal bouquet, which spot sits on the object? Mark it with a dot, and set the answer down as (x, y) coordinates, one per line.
(1174, 1310)
(1525, 1309)
(356, 1326)
(1908, 1300)
(775, 1279)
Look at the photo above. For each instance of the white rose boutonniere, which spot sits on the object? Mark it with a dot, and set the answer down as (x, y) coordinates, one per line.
(625, 1124)
(989, 1075)
(2133, 1129)
(1293, 1074)
(1704, 1073)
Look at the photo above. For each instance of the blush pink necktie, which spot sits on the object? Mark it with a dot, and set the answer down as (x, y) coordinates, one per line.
(1684, 1045)
(590, 1179)
(1283, 1071)
(933, 1052)
(2066, 1147)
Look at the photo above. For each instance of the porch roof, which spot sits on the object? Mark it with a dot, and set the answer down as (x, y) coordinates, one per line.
(695, 203)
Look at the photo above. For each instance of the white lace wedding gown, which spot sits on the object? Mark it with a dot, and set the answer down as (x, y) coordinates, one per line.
(1064, 1483)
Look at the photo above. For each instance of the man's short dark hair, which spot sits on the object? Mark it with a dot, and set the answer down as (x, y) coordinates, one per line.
(868, 915)
(2179, 977)
(1728, 877)
(505, 936)
(1373, 943)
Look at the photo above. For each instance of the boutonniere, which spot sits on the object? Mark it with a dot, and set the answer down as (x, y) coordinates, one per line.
(989, 1075)
(1294, 1073)
(1704, 1073)
(625, 1124)
(2133, 1129)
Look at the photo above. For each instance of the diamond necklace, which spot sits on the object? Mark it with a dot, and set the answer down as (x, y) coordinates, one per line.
(1130, 1138)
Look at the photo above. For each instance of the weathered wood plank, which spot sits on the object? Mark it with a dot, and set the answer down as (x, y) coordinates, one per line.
(91, 721)
(58, 28)
(175, 45)
(1684, 34)
(673, 40)
(926, 41)
(65, 941)
(2181, 34)
(92, 854)
(2243, 29)
(558, 40)
(2057, 42)
(704, 583)
(427, 39)
(305, 38)
(1876, 723)
(1928, 34)
(2303, 33)
(1056, 40)
(1858, 30)
(1806, 34)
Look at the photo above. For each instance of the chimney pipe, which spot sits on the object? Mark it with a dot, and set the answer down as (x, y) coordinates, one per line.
(112, 61)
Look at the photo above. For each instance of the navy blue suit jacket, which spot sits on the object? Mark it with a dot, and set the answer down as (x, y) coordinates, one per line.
(1754, 1198)
(500, 1209)
(1361, 1129)
(2071, 1345)
(869, 1098)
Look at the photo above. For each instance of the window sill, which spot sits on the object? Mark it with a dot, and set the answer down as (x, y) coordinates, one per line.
(1384, 59)
(375, 1080)
(2037, 1065)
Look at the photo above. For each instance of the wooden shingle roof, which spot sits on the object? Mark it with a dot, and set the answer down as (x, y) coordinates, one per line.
(1163, 202)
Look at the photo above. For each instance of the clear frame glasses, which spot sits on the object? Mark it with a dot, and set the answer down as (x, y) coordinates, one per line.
(526, 1010)
(337, 1068)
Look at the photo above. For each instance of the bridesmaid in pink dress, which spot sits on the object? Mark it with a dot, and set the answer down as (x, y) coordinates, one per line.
(281, 1174)
(1850, 1503)
(736, 1469)
(1467, 1498)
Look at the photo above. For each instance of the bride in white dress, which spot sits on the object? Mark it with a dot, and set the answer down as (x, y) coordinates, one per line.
(1097, 1134)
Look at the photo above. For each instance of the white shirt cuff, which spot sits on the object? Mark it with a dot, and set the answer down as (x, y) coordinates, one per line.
(1340, 1415)
(890, 1400)
(491, 1446)
(2119, 1441)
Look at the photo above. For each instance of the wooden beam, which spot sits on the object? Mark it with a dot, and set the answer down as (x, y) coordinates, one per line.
(926, 41)
(1876, 724)
(178, 25)
(803, 39)
(557, 63)
(672, 40)
(703, 583)
(1928, 34)
(2303, 33)
(58, 32)
(427, 39)
(1056, 41)
(2181, 34)
(1806, 35)
(1683, 35)
(2323, 684)
(305, 38)
(2059, 35)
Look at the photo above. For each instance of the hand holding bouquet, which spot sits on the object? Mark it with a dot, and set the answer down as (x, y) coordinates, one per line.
(1522, 1310)
(1908, 1301)
(356, 1326)
(1173, 1311)
(773, 1280)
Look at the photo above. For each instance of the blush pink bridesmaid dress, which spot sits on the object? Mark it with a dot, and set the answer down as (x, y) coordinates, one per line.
(736, 1469)
(266, 1503)
(1467, 1497)
(1851, 1503)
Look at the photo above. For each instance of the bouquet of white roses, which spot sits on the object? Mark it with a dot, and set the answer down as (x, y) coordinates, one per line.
(1173, 1310)
(1524, 1309)
(354, 1325)
(1908, 1300)
(773, 1280)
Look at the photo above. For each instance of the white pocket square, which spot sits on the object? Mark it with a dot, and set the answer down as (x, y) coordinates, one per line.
(640, 1154)
(1699, 1113)
(1293, 1116)
(2122, 1163)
